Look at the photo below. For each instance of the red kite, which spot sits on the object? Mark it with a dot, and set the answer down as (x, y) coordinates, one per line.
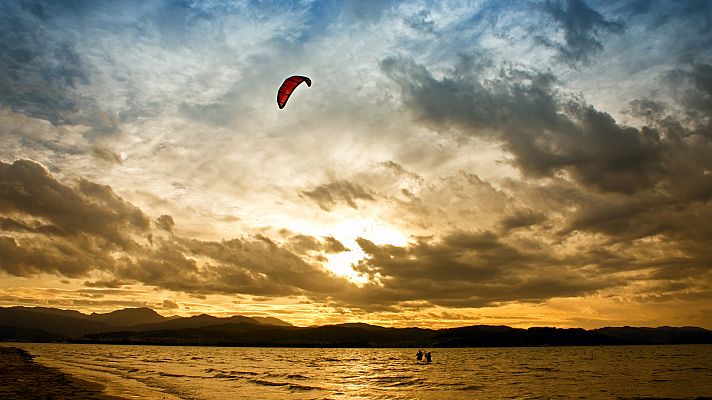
(288, 87)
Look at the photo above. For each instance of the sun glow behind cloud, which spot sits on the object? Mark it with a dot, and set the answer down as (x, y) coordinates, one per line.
(347, 233)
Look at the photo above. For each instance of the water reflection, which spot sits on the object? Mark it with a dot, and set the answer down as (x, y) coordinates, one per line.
(241, 373)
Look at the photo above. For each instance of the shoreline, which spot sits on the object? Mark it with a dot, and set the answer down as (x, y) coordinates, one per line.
(336, 345)
(23, 378)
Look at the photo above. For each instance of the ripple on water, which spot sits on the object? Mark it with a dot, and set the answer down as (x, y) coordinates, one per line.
(171, 375)
(251, 373)
(409, 382)
(614, 372)
(389, 378)
(287, 385)
(295, 387)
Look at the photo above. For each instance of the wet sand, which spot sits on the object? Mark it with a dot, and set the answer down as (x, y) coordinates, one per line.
(22, 378)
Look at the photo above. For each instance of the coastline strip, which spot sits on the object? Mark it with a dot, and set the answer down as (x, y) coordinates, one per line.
(22, 378)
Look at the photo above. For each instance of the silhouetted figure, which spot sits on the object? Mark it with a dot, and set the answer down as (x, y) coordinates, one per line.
(428, 357)
(419, 355)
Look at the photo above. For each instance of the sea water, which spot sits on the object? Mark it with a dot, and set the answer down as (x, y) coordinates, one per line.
(212, 373)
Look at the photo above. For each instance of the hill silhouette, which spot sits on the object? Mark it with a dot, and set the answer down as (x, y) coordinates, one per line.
(64, 324)
(129, 317)
(196, 321)
(145, 326)
(35, 323)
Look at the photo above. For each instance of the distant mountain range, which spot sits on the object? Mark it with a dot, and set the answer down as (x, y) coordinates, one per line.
(48, 324)
(145, 326)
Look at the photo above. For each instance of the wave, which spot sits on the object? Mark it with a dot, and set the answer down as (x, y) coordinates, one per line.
(545, 369)
(411, 382)
(170, 375)
(288, 385)
(244, 373)
(391, 378)
(665, 398)
(390, 373)
(295, 387)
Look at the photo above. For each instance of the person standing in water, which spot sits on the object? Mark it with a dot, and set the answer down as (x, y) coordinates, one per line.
(419, 355)
(428, 357)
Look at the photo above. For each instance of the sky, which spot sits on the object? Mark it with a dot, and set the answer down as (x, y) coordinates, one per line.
(525, 163)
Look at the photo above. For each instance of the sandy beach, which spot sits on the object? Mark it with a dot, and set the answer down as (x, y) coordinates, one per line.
(22, 378)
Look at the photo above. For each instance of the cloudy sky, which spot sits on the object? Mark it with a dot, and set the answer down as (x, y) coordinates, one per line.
(487, 162)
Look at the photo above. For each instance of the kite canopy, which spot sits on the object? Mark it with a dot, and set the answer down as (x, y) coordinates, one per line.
(288, 87)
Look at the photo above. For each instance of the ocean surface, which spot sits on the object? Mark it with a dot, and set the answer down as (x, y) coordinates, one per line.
(616, 372)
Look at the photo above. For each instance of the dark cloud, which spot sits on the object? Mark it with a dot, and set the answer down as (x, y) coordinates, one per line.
(468, 265)
(260, 266)
(400, 171)
(330, 195)
(332, 245)
(55, 255)
(545, 131)
(169, 305)
(696, 97)
(470, 269)
(623, 185)
(165, 222)
(104, 153)
(302, 244)
(255, 266)
(94, 229)
(111, 283)
(674, 223)
(521, 219)
(54, 228)
(675, 206)
(582, 28)
(167, 266)
(459, 269)
(27, 187)
(9, 224)
(647, 109)
(622, 218)
(38, 72)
